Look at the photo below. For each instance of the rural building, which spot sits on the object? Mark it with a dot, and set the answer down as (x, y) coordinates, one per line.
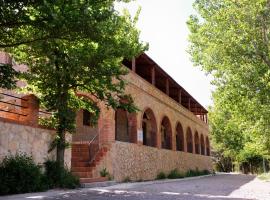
(169, 131)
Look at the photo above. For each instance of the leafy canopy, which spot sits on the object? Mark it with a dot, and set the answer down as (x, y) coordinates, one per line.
(70, 47)
(230, 40)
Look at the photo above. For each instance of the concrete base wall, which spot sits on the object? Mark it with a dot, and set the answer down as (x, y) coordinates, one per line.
(138, 162)
(30, 140)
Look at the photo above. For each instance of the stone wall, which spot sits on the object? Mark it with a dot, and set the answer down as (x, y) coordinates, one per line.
(140, 162)
(33, 141)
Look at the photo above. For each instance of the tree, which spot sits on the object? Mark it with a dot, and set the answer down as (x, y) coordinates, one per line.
(230, 40)
(73, 46)
(7, 76)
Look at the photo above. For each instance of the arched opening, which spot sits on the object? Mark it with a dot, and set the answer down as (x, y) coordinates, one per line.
(189, 141)
(207, 147)
(202, 145)
(121, 125)
(149, 128)
(197, 143)
(179, 138)
(166, 133)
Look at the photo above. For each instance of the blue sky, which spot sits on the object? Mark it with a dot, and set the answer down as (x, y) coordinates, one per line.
(163, 26)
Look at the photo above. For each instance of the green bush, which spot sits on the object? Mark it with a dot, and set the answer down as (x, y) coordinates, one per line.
(19, 174)
(191, 173)
(126, 179)
(59, 176)
(104, 172)
(161, 175)
(174, 174)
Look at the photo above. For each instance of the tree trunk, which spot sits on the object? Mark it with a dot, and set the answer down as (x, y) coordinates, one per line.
(60, 155)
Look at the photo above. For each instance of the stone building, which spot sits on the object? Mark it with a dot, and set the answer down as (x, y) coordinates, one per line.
(169, 131)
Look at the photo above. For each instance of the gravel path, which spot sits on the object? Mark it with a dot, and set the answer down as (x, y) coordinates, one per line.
(219, 187)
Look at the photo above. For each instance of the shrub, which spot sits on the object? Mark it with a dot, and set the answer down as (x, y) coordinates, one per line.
(161, 175)
(126, 179)
(19, 174)
(59, 176)
(175, 174)
(196, 172)
(206, 172)
(104, 172)
(191, 173)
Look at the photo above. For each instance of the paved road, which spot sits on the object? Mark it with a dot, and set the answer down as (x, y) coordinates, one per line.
(220, 187)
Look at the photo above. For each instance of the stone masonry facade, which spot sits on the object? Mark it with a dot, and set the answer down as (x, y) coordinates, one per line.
(169, 131)
(161, 136)
(35, 142)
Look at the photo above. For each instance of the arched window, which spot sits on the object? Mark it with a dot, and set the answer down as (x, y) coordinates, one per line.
(179, 138)
(189, 141)
(207, 147)
(202, 145)
(149, 128)
(197, 143)
(166, 133)
(121, 125)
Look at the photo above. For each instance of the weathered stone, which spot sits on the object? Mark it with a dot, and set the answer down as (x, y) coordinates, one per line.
(30, 140)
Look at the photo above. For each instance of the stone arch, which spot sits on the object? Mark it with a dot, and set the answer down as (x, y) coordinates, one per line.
(189, 140)
(197, 143)
(207, 146)
(202, 145)
(166, 133)
(86, 130)
(125, 126)
(179, 136)
(121, 125)
(149, 128)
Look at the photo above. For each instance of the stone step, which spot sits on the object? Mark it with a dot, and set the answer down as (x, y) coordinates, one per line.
(79, 159)
(82, 169)
(83, 174)
(80, 164)
(80, 151)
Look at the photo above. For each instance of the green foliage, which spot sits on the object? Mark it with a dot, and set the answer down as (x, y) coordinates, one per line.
(49, 121)
(192, 173)
(19, 174)
(58, 176)
(230, 41)
(7, 76)
(126, 179)
(161, 175)
(70, 47)
(104, 173)
(174, 174)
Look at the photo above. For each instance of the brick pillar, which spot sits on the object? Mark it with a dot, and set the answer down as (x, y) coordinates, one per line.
(193, 140)
(174, 140)
(185, 141)
(30, 108)
(159, 137)
(107, 127)
(132, 127)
